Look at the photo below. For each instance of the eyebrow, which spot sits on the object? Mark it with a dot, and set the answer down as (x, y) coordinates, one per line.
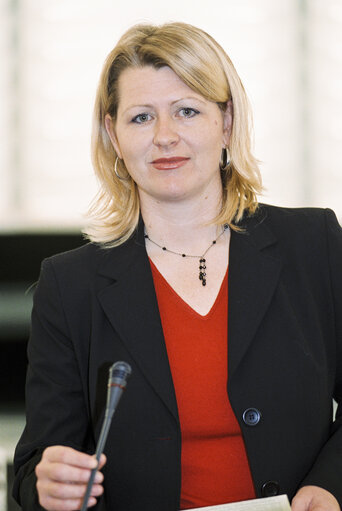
(172, 103)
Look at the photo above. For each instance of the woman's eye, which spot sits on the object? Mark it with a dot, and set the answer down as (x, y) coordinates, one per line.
(141, 118)
(188, 112)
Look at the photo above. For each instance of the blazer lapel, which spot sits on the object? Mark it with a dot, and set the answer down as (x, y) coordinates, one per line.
(253, 276)
(130, 304)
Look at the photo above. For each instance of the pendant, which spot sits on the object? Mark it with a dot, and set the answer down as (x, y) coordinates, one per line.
(202, 274)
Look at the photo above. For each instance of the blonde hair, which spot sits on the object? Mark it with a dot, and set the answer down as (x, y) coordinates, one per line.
(205, 67)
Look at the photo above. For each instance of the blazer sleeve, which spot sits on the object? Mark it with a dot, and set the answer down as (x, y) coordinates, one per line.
(56, 406)
(327, 470)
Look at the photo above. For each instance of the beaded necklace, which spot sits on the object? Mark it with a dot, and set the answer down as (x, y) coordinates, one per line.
(202, 261)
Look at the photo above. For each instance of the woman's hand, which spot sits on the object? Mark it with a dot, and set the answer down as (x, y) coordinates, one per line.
(62, 477)
(313, 498)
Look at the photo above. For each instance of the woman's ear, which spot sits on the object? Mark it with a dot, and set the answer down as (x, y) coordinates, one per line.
(112, 135)
(227, 122)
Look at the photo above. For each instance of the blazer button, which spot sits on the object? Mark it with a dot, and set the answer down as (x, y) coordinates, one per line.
(251, 416)
(270, 489)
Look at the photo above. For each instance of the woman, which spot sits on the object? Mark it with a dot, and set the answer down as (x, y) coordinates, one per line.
(171, 149)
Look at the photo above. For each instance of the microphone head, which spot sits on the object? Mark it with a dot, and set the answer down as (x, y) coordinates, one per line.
(119, 373)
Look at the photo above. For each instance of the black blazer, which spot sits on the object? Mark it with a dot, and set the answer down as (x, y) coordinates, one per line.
(94, 306)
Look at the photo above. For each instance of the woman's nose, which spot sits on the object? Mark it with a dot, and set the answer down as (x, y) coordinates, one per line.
(165, 132)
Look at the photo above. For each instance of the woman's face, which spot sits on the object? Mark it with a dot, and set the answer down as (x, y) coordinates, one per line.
(169, 136)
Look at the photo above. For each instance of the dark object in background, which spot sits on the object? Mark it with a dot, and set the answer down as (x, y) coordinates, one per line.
(20, 259)
(22, 254)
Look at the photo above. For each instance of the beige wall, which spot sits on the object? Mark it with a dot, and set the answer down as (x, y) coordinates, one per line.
(288, 54)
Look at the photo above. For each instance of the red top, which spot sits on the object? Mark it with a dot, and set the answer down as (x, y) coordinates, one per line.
(215, 468)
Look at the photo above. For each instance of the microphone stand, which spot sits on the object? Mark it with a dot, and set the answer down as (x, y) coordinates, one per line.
(118, 375)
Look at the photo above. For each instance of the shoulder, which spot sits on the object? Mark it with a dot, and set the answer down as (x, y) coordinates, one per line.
(87, 255)
(294, 232)
(77, 263)
(292, 222)
(80, 266)
(305, 216)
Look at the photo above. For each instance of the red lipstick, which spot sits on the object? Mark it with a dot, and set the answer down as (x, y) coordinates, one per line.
(169, 163)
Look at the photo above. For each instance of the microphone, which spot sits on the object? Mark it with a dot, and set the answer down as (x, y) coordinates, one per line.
(117, 382)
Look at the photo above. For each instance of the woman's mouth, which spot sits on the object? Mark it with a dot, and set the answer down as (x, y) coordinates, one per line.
(169, 163)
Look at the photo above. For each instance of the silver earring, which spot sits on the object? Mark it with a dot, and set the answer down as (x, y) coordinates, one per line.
(116, 171)
(225, 159)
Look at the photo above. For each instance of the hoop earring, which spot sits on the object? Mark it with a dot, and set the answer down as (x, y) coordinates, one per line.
(116, 171)
(225, 159)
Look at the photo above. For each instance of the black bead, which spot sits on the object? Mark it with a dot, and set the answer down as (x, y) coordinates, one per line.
(146, 236)
(204, 282)
(183, 255)
(164, 248)
(214, 242)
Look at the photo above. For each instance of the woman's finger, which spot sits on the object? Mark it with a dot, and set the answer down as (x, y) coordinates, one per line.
(67, 473)
(52, 504)
(65, 491)
(69, 456)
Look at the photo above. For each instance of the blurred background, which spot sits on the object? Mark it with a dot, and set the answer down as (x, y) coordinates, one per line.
(289, 56)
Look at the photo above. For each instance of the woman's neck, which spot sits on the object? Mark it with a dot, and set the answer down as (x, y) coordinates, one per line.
(182, 226)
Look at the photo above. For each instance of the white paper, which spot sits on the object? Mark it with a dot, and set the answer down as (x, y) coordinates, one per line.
(279, 503)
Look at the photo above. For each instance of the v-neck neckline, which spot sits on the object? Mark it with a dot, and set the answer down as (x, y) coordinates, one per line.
(184, 302)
